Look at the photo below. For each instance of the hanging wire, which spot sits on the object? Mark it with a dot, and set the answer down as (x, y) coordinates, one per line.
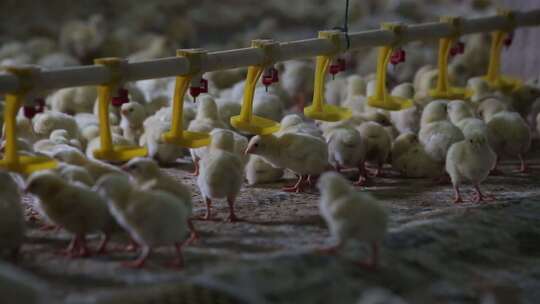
(345, 28)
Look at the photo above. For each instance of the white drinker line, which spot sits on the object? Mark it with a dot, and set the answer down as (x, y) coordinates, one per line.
(221, 60)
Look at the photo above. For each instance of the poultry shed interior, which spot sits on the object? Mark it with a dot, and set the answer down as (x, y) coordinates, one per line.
(309, 151)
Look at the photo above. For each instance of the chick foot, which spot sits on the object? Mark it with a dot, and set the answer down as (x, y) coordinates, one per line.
(523, 168)
(102, 248)
(298, 187)
(178, 262)
(196, 170)
(194, 236)
(132, 246)
(480, 197)
(457, 196)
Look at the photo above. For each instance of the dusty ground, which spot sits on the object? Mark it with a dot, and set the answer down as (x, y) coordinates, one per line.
(435, 252)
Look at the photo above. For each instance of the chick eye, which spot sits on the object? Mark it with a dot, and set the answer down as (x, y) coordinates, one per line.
(256, 145)
(471, 141)
(131, 110)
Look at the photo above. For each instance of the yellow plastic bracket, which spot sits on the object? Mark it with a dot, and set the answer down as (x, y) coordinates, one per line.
(320, 110)
(494, 77)
(382, 99)
(12, 161)
(443, 90)
(246, 121)
(176, 135)
(107, 151)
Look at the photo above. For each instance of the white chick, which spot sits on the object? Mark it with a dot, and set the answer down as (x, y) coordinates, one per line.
(72, 173)
(480, 88)
(95, 168)
(206, 120)
(132, 116)
(221, 172)
(402, 144)
(151, 217)
(162, 152)
(351, 215)
(95, 143)
(58, 140)
(73, 100)
(377, 143)
(293, 123)
(228, 108)
(83, 38)
(470, 160)
(508, 133)
(523, 97)
(268, 105)
(303, 154)
(12, 227)
(335, 91)
(146, 171)
(407, 120)
(347, 150)
(75, 207)
(462, 116)
(297, 80)
(259, 171)
(45, 123)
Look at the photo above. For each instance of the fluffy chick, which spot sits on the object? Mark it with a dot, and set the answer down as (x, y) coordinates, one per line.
(303, 154)
(73, 100)
(462, 116)
(351, 215)
(221, 172)
(407, 120)
(347, 150)
(207, 119)
(131, 122)
(377, 142)
(470, 160)
(293, 123)
(508, 133)
(45, 123)
(12, 227)
(95, 168)
(437, 134)
(259, 171)
(75, 207)
(151, 217)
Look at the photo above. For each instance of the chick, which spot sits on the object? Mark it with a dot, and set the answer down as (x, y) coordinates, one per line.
(297, 80)
(73, 100)
(145, 171)
(437, 134)
(206, 120)
(76, 208)
(132, 116)
(347, 150)
(293, 123)
(268, 105)
(508, 133)
(303, 154)
(377, 142)
(74, 173)
(45, 123)
(470, 160)
(58, 140)
(95, 168)
(228, 108)
(259, 171)
(151, 217)
(12, 227)
(351, 215)
(462, 116)
(407, 120)
(221, 172)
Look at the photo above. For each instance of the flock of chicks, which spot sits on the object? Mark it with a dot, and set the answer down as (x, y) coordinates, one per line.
(462, 140)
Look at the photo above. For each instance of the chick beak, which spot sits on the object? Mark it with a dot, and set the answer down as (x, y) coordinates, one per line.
(124, 112)
(125, 168)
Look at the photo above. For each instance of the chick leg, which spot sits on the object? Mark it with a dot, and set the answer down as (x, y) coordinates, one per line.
(139, 262)
(298, 187)
(102, 249)
(379, 172)
(301, 101)
(232, 216)
(178, 262)
(194, 236)
(72, 249)
(523, 168)
(84, 251)
(480, 197)
(457, 195)
(196, 164)
(208, 215)
(362, 175)
(373, 261)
